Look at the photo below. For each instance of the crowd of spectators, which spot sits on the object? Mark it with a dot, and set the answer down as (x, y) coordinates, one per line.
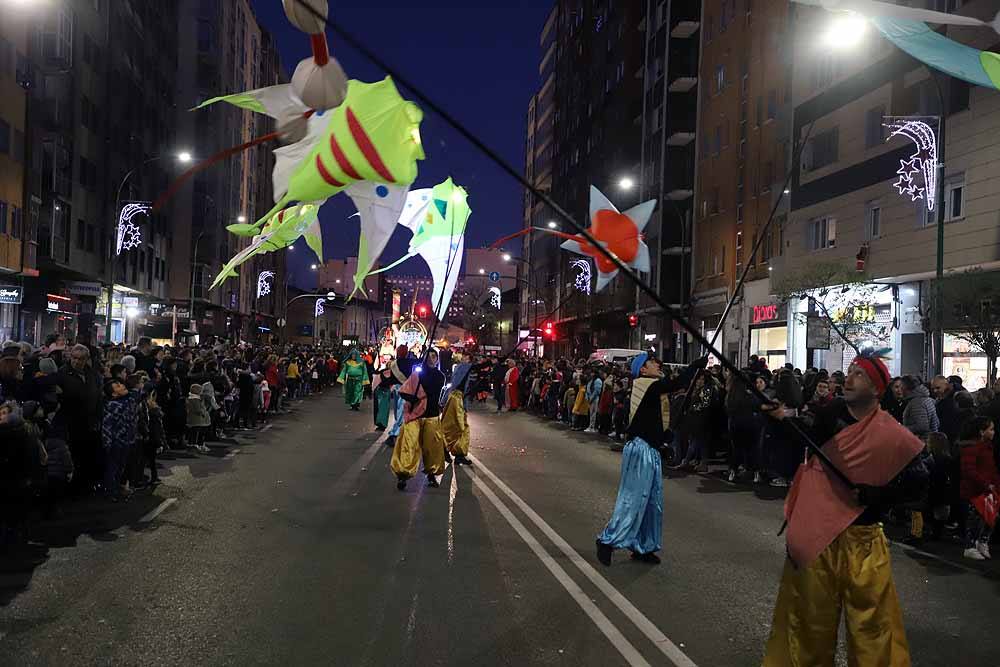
(720, 427)
(76, 419)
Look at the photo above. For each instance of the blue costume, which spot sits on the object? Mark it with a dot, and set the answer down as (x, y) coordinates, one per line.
(637, 521)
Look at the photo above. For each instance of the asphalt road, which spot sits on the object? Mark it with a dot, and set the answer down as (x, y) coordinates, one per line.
(293, 546)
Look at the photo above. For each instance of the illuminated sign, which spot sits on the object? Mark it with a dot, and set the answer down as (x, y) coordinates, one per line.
(765, 313)
(11, 294)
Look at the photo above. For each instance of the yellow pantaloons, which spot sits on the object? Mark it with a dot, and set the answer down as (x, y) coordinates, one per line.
(418, 438)
(852, 576)
(455, 424)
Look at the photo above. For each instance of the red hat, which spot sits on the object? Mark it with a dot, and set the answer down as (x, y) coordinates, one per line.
(876, 370)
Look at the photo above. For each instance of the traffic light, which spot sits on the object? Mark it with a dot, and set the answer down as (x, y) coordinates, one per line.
(423, 311)
(548, 331)
(470, 341)
(633, 320)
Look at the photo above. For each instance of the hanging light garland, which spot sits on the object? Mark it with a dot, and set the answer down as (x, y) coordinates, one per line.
(582, 281)
(495, 297)
(263, 284)
(924, 162)
(129, 235)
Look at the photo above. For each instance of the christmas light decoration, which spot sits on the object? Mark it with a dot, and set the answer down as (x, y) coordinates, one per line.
(319, 307)
(582, 281)
(129, 235)
(495, 297)
(263, 286)
(923, 162)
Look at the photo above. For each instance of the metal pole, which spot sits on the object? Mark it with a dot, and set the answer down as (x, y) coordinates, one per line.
(194, 265)
(938, 334)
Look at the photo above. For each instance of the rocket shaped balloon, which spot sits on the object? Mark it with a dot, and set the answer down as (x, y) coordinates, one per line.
(318, 81)
(620, 233)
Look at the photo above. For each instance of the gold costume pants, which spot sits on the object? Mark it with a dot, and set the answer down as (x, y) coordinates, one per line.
(418, 438)
(455, 425)
(852, 576)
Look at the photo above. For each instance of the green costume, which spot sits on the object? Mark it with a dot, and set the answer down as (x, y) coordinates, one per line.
(354, 377)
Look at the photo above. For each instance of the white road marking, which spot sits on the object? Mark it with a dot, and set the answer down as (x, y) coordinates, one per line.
(452, 493)
(653, 633)
(603, 623)
(157, 510)
(267, 427)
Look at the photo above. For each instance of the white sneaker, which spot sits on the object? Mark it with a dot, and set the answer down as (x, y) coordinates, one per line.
(973, 554)
(590, 430)
(984, 549)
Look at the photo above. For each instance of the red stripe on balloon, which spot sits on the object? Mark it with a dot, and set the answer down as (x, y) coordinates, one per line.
(321, 54)
(327, 176)
(341, 157)
(367, 147)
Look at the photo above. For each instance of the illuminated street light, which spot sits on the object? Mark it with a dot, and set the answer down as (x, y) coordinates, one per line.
(552, 224)
(313, 267)
(184, 157)
(241, 218)
(626, 183)
(506, 257)
(131, 312)
(482, 271)
(845, 31)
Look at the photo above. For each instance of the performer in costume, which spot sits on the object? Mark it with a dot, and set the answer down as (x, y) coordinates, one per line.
(454, 420)
(381, 394)
(838, 556)
(392, 376)
(354, 377)
(421, 435)
(510, 381)
(637, 521)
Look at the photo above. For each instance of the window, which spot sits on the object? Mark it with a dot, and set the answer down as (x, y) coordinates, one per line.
(715, 264)
(3, 217)
(874, 130)
(768, 176)
(715, 201)
(824, 70)
(81, 234)
(822, 150)
(739, 221)
(749, 12)
(873, 221)
(724, 19)
(745, 85)
(709, 23)
(717, 141)
(772, 104)
(760, 110)
(4, 137)
(720, 78)
(822, 233)
(766, 248)
(91, 238)
(954, 198)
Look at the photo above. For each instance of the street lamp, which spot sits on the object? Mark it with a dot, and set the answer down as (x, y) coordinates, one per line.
(626, 183)
(845, 31)
(312, 267)
(553, 224)
(241, 218)
(184, 157)
(482, 271)
(506, 257)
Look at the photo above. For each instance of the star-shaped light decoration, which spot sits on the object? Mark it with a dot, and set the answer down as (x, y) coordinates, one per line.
(129, 235)
(319, 308)
(923, 162)
(263, 283)
(582, 280)
(495, 297)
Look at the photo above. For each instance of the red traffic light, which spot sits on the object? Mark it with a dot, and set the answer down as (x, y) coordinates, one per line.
(548, 330)
(471, 341)
(423, 311)
(633, 320)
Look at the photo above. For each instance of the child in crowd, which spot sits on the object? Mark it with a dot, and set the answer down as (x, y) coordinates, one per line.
(979, 478)
(117, 436)
(198, 420)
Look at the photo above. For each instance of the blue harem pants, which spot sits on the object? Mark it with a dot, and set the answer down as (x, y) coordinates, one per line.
(637, 522)
(396, 403)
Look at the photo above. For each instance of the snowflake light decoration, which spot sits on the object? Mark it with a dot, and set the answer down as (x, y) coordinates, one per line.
(319, 308)
(495, 297)
(263, 284)
(129, 235)
(923, 162)
(582, 280)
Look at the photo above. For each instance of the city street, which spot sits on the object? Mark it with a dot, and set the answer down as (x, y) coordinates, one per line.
(293, 546)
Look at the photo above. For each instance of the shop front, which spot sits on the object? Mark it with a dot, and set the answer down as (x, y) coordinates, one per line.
(10, 299)
(961, 358)
(769, 332)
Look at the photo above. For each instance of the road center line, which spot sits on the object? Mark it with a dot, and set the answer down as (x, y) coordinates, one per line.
(653, 633)
(157, 510)
(603, 623)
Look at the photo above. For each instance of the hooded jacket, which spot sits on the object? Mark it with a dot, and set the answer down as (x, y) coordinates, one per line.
(919, 415)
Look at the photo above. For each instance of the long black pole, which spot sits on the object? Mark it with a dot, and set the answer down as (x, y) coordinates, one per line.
(585, 233)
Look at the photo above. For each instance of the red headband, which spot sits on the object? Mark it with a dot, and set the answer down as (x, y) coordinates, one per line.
(876, 370)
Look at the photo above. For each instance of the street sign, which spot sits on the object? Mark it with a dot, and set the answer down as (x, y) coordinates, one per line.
(11, 293)
(494, 276)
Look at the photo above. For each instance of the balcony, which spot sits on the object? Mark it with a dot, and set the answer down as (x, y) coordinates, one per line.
(682, 119)
(685, 18)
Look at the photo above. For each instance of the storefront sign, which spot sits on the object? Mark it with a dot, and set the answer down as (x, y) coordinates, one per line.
(817, 333)
(83, 288)
(11, 293)
(855, 314)
(766, 313)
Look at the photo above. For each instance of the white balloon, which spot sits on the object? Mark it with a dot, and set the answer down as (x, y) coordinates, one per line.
(318, 87)
(305, 20)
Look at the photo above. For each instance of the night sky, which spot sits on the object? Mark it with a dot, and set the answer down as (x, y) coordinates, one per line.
(479, 60)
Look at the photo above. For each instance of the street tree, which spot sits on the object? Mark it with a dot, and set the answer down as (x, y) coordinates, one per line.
(842, 299)
(972, 304)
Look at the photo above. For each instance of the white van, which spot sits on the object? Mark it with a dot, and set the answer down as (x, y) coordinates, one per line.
(615, 355)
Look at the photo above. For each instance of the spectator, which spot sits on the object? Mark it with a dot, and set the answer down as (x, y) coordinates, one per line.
(979, 478)
(947, 409)
(894, 402)
(117, 436)
(80, 386)
(198, 419)
(594, 389)
(919, 415)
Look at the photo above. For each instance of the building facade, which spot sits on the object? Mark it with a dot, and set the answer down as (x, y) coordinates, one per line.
(846, 204)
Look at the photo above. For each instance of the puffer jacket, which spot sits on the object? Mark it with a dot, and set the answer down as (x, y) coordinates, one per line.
(920, 415)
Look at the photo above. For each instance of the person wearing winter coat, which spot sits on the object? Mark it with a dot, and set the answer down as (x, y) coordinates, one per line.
(594, 389)
(979, 477)
(118, 429)
(213, 408)
(59, 470)
(198, 419)
(21, 461)
(919, 416)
